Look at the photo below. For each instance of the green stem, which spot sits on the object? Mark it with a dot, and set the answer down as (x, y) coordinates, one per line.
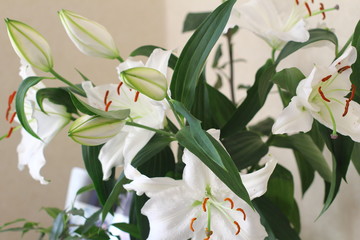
(181, 123)
(120, 59)
(150, 129)
(58, 76)
(6, 135)
(273, 54)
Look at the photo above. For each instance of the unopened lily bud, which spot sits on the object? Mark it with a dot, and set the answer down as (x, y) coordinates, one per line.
(147, 81)
(29, 45)
(94, 130)
(89, 37)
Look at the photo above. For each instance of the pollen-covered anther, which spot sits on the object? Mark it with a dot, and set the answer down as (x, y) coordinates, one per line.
(230, 201)
(107, 106)
(297, 2)
(243, 212)
(323, 95)
(119, 87)
(11, 98)
(12, 117)
(308, 8)
(321, 9)
(10, 132)
(238, 227)
(347, 103)
(341, 70)
(106, 97)
(326, 78)
(204, 204)
(136, 96)
(192, 224)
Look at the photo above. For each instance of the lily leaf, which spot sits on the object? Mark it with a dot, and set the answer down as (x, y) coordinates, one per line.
(315, 36)
(20, 100)
(193, 57)
(288, 79)
(194, 20)
(57, 96)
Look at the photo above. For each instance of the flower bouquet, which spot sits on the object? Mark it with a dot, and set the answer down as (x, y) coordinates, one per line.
(191, 160)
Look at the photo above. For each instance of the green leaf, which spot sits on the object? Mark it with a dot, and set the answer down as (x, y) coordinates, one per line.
(306, 171)
(58, 226)
(91, 221)
(355, 75)
(12, 222)
(305, 146)
(210, 152)
(93, 167)
(129, 228)
(20, 99)
(288, 79)
(194, 20)
(148, 49)
(255, 99)
(315, 36)
(52, 212)
(193, 57)
(263, 127)
(84, 189)
(246, 148)
(57, 96)
(355, 157)
(280, 191)
(156, 144)
(275, 222)
(89, 110)
(217, 56)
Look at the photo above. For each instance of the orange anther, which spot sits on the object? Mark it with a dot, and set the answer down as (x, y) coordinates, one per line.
(106, 97)
(323, 13)
(12, 117)
(10, 132)
(136, 96)
(297, 2)
(107, 106)
(8, 113)
(323, 95)
(204, 204)
(11, 98)
(118, 88)
(230, 201)
(308, 8)
(191, 224)
(341, 70)
(326, 78)
(243, 212)
(238, 227)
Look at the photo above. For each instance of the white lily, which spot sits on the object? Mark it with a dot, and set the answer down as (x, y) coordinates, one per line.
(122, 148)
(201, 206)
(278, 21)
(325, 95)
(31, 150)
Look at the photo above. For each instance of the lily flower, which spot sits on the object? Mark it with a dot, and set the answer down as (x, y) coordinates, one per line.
(279, 21)
(122, 148)
(201, 206)
(31, 150)
(325, 95)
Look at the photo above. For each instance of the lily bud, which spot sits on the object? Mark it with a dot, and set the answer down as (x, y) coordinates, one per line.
(89, 37)
(147, 81)
(29, 45)
(94, 130)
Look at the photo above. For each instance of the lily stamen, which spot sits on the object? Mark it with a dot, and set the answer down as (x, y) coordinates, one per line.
(297, 2)
(12, 117)
(323, 95)
(204, 204)
(107, 106)
(238, 227)
(11, 98)
(136, 96)
(106, 97)
(230, 201)
(10, 132)
(326, 78)
(243, 212)
(118, 88)
(347, 103)
(341, 70)
(308, 8)
(191, 224)
(323, 13)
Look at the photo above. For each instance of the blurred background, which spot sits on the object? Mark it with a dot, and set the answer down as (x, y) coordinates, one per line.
(133, 24)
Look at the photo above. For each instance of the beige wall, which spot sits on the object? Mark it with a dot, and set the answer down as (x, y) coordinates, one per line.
(135, 23)
(132, 24)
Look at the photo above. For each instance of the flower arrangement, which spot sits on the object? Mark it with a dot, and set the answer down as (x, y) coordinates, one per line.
(194, 163)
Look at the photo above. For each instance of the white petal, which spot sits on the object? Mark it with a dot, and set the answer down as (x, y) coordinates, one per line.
(129, 63)
(256, 182)
(112, 154)
(159, 60)
(293, 119)
(346, 59)
(150, 186)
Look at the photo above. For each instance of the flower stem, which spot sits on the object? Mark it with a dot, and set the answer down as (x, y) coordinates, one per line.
(181, 123)
(61, 78)
(134, 124)
(120, 59)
